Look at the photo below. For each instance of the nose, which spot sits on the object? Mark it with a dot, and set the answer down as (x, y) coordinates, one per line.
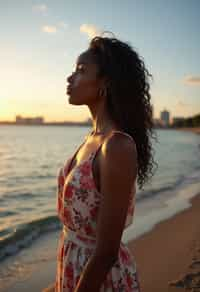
(69, 78)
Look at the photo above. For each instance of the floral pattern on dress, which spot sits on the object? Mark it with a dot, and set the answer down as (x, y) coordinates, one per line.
(78, 202)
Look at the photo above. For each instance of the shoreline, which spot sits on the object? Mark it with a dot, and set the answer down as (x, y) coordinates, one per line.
(168, 257)
(169, 253)
(195, 130)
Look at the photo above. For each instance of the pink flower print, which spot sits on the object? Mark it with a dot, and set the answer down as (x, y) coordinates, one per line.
(67, 217)
(129, 281)
(68, 191)
(86, 182)
(60, 180)
(82, 238)
(124, 255)
(59, 204)
(69, 274)
(85, 168)
(93, 212)
(88, 229)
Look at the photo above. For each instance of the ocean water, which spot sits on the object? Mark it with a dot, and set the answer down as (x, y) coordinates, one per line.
(31, 156)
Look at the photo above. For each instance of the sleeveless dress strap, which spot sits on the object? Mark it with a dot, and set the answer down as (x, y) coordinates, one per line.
(100, 145)
(94, 153)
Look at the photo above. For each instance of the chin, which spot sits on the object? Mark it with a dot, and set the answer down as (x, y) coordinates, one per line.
(75, 101)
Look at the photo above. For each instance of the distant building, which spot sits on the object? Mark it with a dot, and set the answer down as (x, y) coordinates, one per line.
(165, 118)
(89, 122)
(29, 121)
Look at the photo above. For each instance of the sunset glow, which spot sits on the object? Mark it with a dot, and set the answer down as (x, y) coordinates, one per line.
(41, 41)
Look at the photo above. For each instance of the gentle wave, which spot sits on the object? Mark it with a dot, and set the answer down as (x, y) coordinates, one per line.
(153, 192)
(26, 233)
(15, 194)
(25, 195)
(7, 213)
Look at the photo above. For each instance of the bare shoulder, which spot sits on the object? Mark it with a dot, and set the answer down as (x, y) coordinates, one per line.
(119, 147)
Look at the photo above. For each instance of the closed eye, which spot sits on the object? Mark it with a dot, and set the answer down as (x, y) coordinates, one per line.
(80, 68)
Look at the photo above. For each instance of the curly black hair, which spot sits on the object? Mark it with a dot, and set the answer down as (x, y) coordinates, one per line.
(128, 96)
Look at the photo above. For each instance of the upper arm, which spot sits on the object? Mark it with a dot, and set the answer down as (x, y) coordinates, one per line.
(118, 168)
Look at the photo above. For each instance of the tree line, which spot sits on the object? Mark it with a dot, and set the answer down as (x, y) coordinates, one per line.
(188, 122)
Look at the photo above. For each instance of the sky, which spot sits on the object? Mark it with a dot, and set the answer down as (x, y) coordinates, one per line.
(41, 40)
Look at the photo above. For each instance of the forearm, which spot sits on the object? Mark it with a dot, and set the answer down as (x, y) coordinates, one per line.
(94, 273)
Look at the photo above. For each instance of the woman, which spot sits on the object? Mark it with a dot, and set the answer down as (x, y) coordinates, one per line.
(97, 186)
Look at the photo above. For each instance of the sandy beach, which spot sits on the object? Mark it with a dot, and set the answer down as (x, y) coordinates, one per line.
(170, 253)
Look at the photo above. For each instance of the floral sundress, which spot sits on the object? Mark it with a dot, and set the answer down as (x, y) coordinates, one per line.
(78, 202)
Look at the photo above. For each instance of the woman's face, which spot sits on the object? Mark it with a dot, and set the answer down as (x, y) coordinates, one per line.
(84, 84)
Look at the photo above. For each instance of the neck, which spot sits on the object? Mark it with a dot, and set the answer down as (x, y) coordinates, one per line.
(102, 122)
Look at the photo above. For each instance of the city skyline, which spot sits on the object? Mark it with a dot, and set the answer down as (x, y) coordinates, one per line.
(164, 116)
(41, 40)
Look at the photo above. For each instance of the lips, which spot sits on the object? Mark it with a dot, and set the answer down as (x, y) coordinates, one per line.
(69, 89)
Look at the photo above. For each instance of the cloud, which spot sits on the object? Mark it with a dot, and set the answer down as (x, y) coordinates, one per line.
(40, 8)
(49, 28)
(192, 80)
(63, 25)
(90, 30)
(55, 28)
